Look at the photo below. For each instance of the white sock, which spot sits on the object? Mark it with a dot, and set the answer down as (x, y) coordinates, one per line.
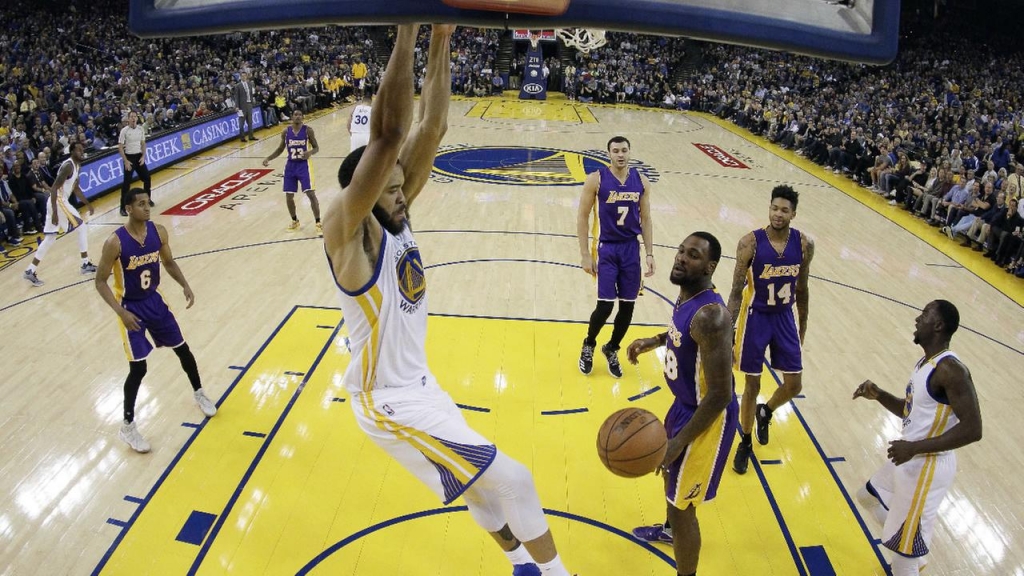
(520, 555)
(555, 567)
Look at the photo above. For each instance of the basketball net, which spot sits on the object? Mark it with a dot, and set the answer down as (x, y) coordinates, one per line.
(583, 39)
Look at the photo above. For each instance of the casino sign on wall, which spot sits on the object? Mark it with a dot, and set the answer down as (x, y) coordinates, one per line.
(523, 165)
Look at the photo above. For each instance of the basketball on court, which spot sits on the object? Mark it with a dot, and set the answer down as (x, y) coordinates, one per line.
(632, 443)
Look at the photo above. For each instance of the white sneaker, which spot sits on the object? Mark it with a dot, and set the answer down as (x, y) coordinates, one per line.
(130, 434)
(205, 404)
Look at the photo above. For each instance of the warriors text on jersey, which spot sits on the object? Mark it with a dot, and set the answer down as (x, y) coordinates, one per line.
(387, 320)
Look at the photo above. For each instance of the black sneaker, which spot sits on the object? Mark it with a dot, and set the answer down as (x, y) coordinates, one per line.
(586, 358)
(613, 361)
(763, 415)
(124, 212)
(742, 458)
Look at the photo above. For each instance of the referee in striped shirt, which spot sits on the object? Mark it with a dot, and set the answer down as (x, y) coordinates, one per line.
(132, 146)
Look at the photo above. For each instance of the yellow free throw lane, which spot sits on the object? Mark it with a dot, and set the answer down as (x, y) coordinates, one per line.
(171, 527)
(321, 499)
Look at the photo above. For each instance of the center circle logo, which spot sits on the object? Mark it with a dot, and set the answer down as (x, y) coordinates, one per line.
(412, 283)
(524, 166)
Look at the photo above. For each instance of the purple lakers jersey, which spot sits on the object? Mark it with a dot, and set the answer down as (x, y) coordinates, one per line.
(683, 371)
(773, 274)
(618, 206)
(297, 144)
(137, 270)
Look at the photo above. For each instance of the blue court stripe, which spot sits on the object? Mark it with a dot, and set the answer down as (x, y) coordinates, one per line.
(181, 452)
(134, 499)
(644, 393)
(770, 462)
(817, 561)
(196, 527)
(799, 396)
(835, 476)
(254, 434)
(190, 425)
(560, 412)
(837, 459)
(118, 523)
(263, 449)
(312, 564)
(473, 408)
(292, 373)
(786, 535)
(325, 327)
(337, 399)
(236, 367)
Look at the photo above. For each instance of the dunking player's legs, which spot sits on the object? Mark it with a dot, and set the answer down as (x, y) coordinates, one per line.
(686, 538)
(504, 502)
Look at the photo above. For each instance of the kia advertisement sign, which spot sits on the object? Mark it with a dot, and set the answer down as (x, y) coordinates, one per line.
(106, 171)
(721, 156)
(216, 193)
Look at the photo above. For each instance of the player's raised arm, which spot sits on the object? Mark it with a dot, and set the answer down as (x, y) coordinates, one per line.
(389, 127)
(417, 155)
(587, 199)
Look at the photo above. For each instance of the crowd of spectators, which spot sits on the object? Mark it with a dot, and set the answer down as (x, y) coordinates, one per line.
(937, 132)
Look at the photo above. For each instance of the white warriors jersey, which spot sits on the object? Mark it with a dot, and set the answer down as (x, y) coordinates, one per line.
(69, 184)
(361, 119)
(387, 321)
(925, 416)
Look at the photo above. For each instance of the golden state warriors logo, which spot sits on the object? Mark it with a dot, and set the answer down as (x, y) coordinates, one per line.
(412, 283)
(523, 166)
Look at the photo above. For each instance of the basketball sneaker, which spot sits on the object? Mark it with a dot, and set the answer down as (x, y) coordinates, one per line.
(614, 368)
(130, 434)
(530, 569)
(205, 404)
(763, 415)
(32, 278)
(293, 226)
(88, 268)
(656, 533)
(742, 458)
(586, 358)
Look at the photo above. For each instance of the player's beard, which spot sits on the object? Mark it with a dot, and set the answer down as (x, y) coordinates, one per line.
(389, 223)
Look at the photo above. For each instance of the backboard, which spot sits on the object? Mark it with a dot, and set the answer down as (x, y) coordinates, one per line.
(856, 30)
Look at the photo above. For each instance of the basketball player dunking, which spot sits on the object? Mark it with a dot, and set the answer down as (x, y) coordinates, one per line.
(773, 266)
(940, 413)
(377, 267)
(134, 253)
(623, 198)
(61, 216)
(301, 143)
(698, 371)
